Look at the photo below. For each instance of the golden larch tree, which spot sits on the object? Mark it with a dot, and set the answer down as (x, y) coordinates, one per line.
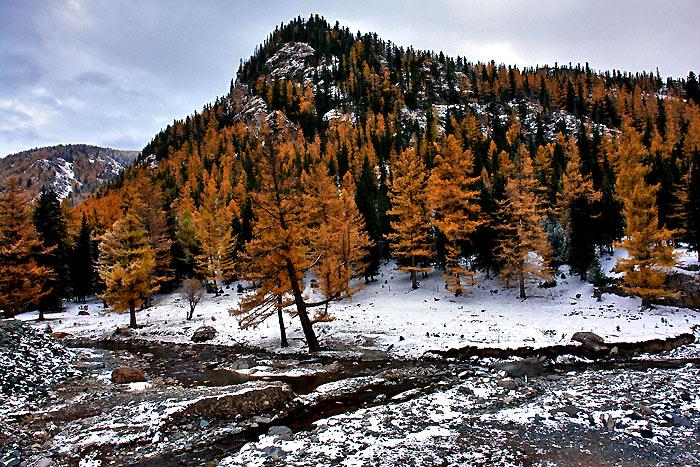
(337, 234)
(126, 264)
(522, 247)
(649, 249)
(22, 278)
(213, 231)
(283, 249)
(411, 242)
(453, 200)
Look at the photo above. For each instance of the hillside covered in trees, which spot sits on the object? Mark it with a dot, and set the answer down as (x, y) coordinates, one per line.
(73, 171)
(334, 150)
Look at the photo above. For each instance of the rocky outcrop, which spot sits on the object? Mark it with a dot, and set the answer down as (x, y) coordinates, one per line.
(244, 400)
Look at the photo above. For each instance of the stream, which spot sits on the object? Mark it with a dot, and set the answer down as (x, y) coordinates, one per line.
(208, 405)
(209, 366)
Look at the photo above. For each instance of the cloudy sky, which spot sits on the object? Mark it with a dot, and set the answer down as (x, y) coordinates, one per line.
(113, 73)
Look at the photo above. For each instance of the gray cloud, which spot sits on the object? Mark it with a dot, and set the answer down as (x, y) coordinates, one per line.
(114, 73)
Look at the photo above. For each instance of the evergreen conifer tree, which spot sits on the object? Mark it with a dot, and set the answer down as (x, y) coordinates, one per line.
(575, 204)
(82, 268)
(51, 226)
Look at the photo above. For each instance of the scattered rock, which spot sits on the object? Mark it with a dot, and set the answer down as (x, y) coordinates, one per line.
(127, 374)
(685, 397)
(530, 367)
(203, 334)
(279, 431)
(203, 423)
(570, 410)
(508, 383)
(123, 332)
(274, 452)
(83, 313)
(374, 356)
(334, 367)
(11, 458)
(242, 364)
(677, 420)
(31, 361)
(607, 420)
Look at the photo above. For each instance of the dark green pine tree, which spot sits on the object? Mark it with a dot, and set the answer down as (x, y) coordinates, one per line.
(51, 227)
(692, 88)
(690, 206)
(366, 198)
(82, 264)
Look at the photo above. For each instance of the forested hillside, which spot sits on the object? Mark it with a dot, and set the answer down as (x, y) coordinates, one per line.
(334, 150)
(74, 171)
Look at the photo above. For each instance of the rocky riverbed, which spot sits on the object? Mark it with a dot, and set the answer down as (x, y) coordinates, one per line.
(209, 405)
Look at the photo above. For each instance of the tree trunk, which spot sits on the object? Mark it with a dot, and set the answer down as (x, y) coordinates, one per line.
(283, 332)
(306, 326)
(521, 278)
(414, 282)
(191, 313)
(132, 315)
(309, 333)
(41, 314)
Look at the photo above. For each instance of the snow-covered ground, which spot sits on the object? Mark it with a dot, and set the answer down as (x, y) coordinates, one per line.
(646, 417)
(388, 315)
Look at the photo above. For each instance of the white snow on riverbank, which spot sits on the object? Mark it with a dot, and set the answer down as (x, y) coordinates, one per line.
(388, 315)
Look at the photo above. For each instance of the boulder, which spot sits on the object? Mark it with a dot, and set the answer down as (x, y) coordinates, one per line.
(127, 374)
(530, 367)
(591, 343)
(203, 334)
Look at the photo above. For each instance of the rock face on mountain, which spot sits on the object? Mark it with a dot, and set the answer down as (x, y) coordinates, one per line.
(74, 170)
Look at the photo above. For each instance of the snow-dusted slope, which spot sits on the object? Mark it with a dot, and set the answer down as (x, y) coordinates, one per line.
(74, 170)
(389, 315)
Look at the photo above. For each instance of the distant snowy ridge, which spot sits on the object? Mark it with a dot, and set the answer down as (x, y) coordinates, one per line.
(74, 170)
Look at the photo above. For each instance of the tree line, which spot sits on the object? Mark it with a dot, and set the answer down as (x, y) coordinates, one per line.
(506, 190)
